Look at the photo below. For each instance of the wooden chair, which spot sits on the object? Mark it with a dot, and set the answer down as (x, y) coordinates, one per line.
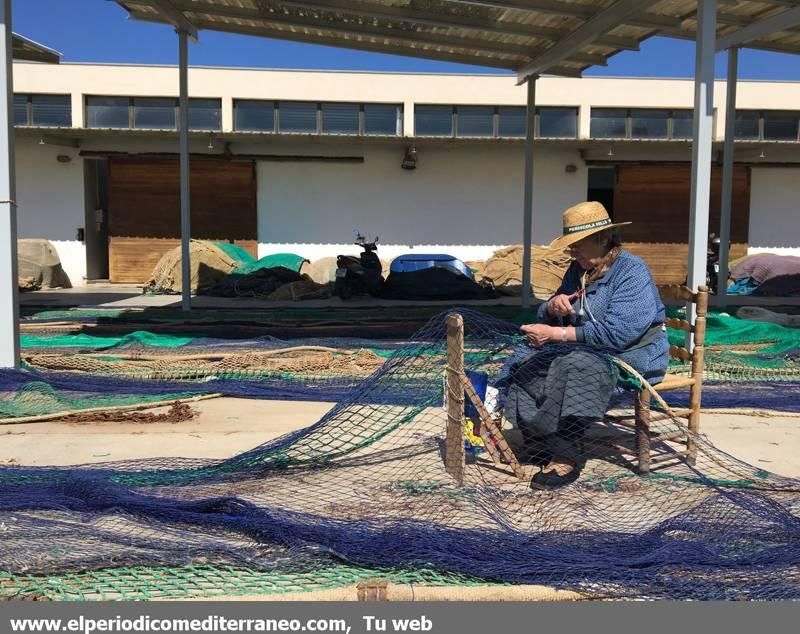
(644, 415)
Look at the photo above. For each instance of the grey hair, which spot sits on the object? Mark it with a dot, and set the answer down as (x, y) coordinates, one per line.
(610, 238)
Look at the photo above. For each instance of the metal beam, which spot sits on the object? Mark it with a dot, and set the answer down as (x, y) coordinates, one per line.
(527, 208)
(602, 22)
(173, 15)
(727, 173)
(450, 20)
(636, 16)
(183, 132)
(359, 28)
(366, 45)
(701, 146)
(9, 307)
(772, 47)
(723, 19)
(757, 30)
(408, 15)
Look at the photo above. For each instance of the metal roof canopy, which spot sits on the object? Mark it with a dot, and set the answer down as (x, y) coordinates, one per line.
(528, 36)
(26, 49)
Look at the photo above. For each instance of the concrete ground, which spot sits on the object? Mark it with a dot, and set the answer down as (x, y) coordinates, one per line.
(227, 426)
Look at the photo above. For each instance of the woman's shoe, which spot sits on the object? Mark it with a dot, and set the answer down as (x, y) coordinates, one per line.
(551, 479)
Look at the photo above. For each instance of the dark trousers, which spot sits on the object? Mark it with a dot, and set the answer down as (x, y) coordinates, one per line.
(554, 394)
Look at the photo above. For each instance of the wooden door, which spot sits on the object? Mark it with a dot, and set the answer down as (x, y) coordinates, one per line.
(144, 210)
(655, 199)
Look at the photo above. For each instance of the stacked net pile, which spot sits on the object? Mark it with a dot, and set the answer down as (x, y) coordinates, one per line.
(745, 361)
(504, 270)
(741, 350)
(366, 487)
(67, 373)
(748, 364)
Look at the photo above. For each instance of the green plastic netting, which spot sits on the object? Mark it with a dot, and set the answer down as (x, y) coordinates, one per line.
(92, 342)
(247, 263)
(148, 583)
(40, 399)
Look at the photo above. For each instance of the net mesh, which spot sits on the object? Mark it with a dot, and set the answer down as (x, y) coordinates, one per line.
(744, 360)
(373, 485)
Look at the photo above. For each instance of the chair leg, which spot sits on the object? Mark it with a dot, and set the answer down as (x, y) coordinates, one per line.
(694, 428)
(642, 410)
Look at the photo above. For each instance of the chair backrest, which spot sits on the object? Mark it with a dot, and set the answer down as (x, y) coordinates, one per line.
(695, 352)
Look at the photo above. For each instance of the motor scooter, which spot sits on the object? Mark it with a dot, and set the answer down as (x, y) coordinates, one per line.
(712, 263)
(359, 275)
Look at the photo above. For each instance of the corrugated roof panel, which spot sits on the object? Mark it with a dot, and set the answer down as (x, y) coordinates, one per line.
(500, 33)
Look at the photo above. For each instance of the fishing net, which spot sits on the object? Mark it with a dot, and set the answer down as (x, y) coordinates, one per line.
(744, 360)
(376, 484)
(741, 350)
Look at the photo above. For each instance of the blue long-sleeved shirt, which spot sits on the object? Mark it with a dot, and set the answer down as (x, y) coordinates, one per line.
(626, 306)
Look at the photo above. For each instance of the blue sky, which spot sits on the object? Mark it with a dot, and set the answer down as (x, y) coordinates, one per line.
(102, 33)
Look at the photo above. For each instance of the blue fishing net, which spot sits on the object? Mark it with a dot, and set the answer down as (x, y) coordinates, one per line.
(367, 486)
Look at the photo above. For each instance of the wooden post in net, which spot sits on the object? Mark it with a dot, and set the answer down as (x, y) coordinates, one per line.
(454, 439)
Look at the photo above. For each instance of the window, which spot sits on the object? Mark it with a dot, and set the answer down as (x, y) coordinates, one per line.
(512, 121)
(767, 125)
(297, 116)
(746, 125)
(495, 121)
(108, 112)
(649, 124)
(557, 123)
(43, 110)
(254, 116)
(433, 120)
(21, 110)
(151, 113)
(682, 124)
(154, 113)
(382, 119)
(51, 110)
(205, 114)
(781, 126)
(301, 117)
(640, 123)
(475, 121)
(340, 118)
(608, 123)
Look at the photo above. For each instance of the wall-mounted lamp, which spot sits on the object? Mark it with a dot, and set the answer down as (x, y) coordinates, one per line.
(762, 155)
(210, 141)
(571, 168)
(610, 150)
(41, 140)
(410, 158)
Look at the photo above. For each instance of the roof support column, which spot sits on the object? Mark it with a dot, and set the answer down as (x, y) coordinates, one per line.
(701, 144)
(183, 127)
(727, 174)
(9, 307)
(527, 210)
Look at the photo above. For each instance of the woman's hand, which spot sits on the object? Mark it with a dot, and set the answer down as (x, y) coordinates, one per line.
(538, 334)
(561, 305)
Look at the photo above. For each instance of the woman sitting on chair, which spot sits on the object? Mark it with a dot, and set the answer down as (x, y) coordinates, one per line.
(608, 301)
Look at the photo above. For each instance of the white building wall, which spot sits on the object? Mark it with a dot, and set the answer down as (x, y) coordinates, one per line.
(50, 201)
(463, 200)
(775, 210)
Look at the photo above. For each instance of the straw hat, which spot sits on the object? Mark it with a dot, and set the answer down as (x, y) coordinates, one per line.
(583, 220)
